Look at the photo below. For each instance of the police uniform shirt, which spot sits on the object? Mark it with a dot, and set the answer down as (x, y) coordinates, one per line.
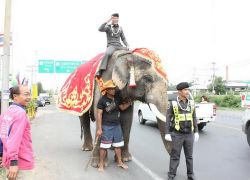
(185, 126)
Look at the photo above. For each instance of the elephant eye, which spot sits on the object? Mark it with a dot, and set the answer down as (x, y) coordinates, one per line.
(148, 78)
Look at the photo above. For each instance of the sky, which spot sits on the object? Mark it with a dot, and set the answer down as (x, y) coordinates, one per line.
(187, 35)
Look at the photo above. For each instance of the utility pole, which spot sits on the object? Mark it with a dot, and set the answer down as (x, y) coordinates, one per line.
(6, 57)
(33, 70)
(213, 69)
(227, 74)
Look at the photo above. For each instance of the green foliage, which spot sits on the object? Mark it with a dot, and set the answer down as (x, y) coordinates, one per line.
(219, 86)
(231, 101)
(40, 88)
(171, 87)
(32, 104)
(31, 109)
(197, 98)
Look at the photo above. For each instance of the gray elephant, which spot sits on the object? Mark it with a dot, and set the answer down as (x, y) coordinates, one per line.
(150, 88)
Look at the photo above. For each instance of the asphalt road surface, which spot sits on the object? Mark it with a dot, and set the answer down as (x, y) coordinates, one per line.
(222, 153)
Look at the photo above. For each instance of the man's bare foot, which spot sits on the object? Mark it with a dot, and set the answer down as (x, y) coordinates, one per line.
(100, 168)
(122, 165)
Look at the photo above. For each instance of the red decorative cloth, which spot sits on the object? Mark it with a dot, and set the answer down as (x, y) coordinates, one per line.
(151, 56)
(76, 95)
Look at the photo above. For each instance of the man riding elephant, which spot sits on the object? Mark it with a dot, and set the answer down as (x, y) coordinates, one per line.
(114, 33)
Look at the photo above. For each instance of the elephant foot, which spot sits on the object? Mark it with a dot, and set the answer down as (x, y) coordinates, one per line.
(87, 147)
(126, 156)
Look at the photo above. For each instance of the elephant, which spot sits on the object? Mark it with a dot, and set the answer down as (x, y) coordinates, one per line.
(150, 88)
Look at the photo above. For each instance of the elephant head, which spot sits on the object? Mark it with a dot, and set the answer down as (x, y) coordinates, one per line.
(150, 88)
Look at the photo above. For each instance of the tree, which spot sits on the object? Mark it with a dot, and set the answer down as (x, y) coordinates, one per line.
(219, 86)
(40, 88)
(171, 87)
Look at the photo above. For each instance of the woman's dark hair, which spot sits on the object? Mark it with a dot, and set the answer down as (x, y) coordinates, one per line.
(205, 98)
(14, 90)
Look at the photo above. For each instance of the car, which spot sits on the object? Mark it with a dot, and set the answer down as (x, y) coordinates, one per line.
(205, 112)
(47, 99)
(246, 125)
(40, 102)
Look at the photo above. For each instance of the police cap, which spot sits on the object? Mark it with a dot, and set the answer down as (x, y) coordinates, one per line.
(182, 85)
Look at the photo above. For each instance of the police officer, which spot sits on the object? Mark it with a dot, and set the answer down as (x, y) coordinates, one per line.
(182, 130)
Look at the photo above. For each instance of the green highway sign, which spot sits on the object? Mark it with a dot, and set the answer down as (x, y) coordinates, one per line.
(66, 66)
(46, 66)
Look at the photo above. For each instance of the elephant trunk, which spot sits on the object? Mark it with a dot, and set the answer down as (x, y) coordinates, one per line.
(158, 102)
(157, 99)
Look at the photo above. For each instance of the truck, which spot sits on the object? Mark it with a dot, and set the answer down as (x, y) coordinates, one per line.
(205, 112)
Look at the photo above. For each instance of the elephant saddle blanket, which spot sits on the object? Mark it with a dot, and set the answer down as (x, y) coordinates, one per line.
(76, 95)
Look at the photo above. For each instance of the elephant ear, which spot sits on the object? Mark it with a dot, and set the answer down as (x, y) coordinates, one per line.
(120, 74)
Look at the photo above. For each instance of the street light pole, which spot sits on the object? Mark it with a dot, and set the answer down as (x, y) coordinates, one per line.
(213, 76)
(6, 57)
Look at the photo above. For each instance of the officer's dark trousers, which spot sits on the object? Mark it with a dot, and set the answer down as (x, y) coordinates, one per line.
(110, 50)
(186, 141)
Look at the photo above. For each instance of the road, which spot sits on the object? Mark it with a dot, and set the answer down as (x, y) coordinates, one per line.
(221, 153)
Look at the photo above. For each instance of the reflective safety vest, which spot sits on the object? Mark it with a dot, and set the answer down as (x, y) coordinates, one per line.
(183, 117)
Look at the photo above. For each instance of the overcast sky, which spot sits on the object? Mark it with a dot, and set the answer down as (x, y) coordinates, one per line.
(188, 35)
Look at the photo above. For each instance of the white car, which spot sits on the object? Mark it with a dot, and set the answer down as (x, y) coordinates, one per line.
(246, 125)
(205, 112)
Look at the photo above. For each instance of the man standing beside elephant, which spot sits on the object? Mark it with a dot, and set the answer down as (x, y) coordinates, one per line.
(182, 130)
(114, 33)
(108, 123)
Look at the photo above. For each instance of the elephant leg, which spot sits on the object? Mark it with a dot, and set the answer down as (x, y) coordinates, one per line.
(126, 123)
(85, 129)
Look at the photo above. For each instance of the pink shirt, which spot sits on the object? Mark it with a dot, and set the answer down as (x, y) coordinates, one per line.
(18, 145)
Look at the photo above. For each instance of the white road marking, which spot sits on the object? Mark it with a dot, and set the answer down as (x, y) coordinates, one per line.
(225, 126)
(146, 169)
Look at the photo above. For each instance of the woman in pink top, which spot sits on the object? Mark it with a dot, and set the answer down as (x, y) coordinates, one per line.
(15, 134)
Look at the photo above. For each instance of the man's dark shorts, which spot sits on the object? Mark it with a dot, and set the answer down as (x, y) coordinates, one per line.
(111, 135)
